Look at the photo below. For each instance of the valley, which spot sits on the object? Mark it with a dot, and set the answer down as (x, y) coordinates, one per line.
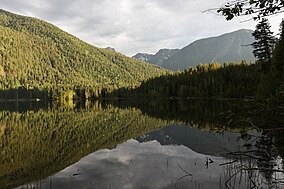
(76, 115)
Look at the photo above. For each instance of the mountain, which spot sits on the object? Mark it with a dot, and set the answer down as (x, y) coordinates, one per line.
(143, 57)
(225, 48)
(36, 54)
(205, 142)
(111, 48)
(162, 55)
(158, 58)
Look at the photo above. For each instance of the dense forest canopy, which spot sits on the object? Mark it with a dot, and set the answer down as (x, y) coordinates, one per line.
(230, 80)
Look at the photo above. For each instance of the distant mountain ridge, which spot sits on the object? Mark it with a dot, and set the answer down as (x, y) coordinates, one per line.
(204, 142)
(229, 47)
(143, 57)
(158, 58)
(111, 48)
(162, 55)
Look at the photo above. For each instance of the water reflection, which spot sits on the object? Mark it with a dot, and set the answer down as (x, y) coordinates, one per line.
(193, 147)
(140, 165)
(258, 160)
(36, 144)
(152, 165)
(205, 142)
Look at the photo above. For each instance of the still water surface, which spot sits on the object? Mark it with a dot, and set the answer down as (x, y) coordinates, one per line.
(115, 145)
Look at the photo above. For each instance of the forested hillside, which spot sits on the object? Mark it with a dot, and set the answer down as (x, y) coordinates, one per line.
(36, 54)
(231, 80)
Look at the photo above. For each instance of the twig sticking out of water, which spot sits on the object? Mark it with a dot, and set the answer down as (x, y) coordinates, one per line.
(187, 174)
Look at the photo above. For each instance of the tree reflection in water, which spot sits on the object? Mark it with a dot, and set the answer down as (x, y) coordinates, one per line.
(257, 164)
(36, 144)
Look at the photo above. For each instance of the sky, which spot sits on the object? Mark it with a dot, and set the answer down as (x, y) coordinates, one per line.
(132, 26)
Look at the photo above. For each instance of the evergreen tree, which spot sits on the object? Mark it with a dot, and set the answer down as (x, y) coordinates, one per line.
(278, 62)
(264, 43)
(272, 80)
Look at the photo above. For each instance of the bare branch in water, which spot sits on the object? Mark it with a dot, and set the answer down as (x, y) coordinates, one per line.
(187, 174)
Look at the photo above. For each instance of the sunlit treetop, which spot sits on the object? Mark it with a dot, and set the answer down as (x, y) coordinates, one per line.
(257, 8)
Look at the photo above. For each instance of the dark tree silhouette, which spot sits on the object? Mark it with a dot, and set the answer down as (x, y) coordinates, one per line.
(277, 64)
(264, 43)
(257, 8)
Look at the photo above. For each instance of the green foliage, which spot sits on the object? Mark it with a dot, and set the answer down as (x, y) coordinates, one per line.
(231, 80)
(257, 8)
(272, 82)
(264, 43)
(266, 85)
(36, 54)
(277, 67)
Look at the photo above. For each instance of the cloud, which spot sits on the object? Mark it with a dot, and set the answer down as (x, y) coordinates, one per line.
(141, 166)
(131, 26)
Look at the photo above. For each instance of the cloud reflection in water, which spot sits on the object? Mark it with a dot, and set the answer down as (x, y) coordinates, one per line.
(141, 166)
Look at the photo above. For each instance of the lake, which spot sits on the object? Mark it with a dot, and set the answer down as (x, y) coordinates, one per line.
(139, 144)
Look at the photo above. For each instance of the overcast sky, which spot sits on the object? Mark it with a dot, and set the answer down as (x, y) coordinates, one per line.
(132, 26)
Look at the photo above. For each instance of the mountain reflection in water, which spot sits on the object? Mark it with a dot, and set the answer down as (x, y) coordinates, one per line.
(93, 147)
(148, 165)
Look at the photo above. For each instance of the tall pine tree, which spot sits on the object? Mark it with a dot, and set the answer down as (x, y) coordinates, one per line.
(278, 62)
(271, 61)
(264, 43)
